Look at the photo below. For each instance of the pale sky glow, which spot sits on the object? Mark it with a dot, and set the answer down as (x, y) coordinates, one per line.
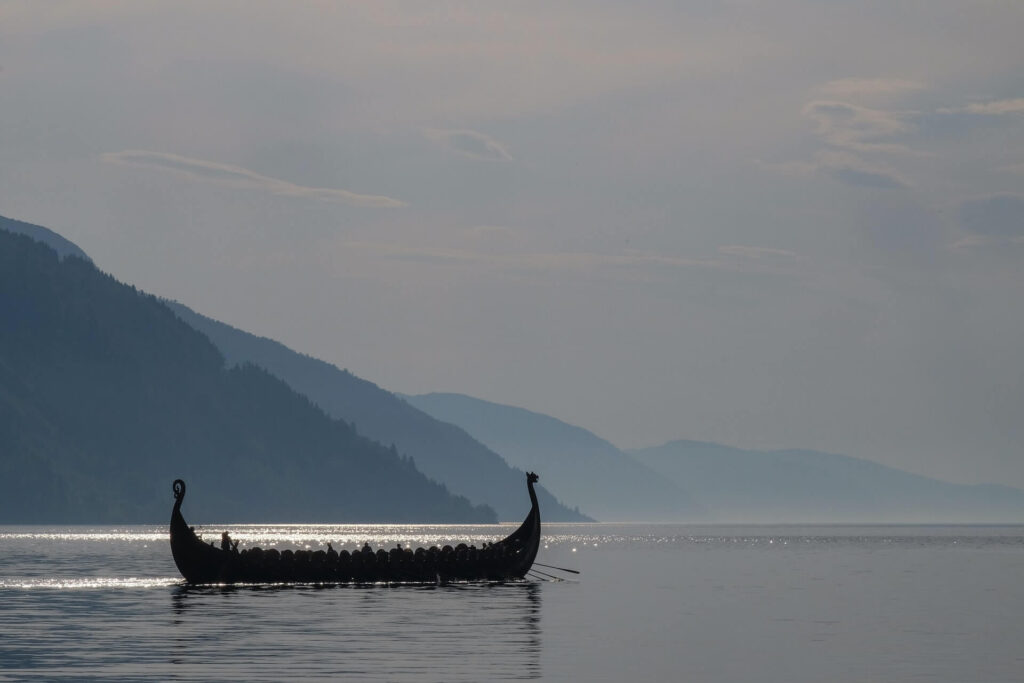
(791, 224)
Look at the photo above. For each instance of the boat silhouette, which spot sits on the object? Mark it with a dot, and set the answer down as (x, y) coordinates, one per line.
(203, 563)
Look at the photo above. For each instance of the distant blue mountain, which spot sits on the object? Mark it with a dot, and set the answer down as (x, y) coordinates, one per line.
(585, 469)
(693, 481)
(736, 485)
(442, 451)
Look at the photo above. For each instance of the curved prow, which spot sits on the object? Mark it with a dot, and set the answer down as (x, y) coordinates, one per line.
(531, 479)
(179, 494)
(178, 526)
(525, 541)
(197, 561)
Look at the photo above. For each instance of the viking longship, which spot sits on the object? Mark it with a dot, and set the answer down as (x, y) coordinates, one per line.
(203, 563)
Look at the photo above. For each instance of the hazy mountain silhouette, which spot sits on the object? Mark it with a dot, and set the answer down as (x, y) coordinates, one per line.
(61, 245)
(585, 469)
(106, 396)
(442, 451)
(801, 486)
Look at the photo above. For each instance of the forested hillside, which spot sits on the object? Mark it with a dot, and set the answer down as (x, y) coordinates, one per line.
(106, 396)
(60, 244)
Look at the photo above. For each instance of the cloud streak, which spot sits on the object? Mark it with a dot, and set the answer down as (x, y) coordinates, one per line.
(870, 87)
(852, 170)
(844, 167)
(470, 143)
(732, 258)
(226, 175)
(851, 126)
(995, 220)
(756, 252)
(863, 178)
(994, 108)
(523, 260)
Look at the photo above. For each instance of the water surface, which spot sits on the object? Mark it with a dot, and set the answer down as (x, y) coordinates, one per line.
(716, 603)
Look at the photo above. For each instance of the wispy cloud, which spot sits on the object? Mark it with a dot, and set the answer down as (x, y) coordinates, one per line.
(525, 260)
(1013, 168)
(756, 252)
(993, 221)
(470, 143)
(642, 263)
(237, 177)
(854, 137)
(851, 169)
(853, 88)
(846, 167)
(993, 108)
(862, 178)
(790, 168)
(985, 241)
(852, 126)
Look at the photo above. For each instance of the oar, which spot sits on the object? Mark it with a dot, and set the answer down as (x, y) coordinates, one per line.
(550, 576)
(551, 566)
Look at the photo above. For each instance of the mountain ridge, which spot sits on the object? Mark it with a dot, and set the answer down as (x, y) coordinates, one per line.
(800, 485)
(63, 246)
(587, 470)
(106, 396)
(718, 483)
(442, 451)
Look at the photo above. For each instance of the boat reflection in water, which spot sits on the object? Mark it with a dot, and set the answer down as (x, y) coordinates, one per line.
(375, 632)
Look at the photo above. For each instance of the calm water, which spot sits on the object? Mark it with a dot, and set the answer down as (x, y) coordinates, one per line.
(654, 603)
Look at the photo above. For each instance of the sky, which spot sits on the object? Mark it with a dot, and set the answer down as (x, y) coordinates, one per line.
(796, 224)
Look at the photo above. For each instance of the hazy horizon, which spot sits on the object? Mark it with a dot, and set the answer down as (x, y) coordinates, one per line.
(794, 225)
